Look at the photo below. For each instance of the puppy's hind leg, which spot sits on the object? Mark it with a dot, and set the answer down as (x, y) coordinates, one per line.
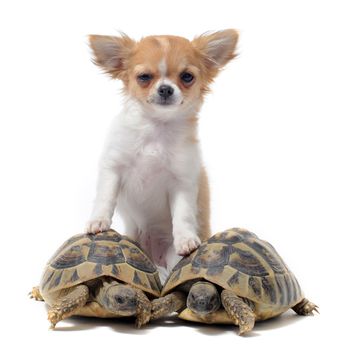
(131, 229)
(163, 273)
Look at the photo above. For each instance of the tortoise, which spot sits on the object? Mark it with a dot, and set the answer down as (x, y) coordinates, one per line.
(232, 278)
(99, 275)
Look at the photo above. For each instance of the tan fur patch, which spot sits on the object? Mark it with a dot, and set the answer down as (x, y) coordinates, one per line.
(203, 202)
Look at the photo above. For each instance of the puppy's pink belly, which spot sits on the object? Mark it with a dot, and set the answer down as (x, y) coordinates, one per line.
(155, 247)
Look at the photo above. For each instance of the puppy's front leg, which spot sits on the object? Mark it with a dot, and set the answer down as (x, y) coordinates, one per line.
(105, 201)
(183, 204)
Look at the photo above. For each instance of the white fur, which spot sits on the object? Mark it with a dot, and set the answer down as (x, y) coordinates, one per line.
(162, 66)
(149, 171)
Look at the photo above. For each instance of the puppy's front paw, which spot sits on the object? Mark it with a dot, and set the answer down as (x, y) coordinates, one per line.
(98, 225)
(186, 244)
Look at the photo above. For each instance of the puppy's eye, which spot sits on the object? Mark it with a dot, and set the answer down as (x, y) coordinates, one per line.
(186, 77)
(145, 77)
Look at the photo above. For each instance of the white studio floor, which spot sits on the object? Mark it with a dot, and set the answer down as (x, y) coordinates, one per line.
(288, 331)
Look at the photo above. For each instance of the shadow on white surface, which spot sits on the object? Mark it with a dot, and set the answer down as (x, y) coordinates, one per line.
(127, 325)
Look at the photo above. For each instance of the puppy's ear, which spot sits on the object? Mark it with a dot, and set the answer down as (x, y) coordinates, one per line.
(111, 53)
(217, 48)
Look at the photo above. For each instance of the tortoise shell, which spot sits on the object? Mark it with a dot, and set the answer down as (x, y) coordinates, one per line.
(85, 257)
(237, 259)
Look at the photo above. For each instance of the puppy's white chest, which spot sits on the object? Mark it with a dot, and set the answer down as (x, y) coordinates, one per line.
(152, 150)
(150, 164)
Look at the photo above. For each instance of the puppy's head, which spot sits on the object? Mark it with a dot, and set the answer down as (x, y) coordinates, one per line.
(165, 72)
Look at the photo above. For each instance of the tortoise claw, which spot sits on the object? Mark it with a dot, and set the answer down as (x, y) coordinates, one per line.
(35, 293)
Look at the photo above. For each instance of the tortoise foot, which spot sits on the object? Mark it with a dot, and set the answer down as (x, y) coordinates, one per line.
(143, 309)
(246, 324)
(241, 313)
(35, 294)
(54, 316)
(69, 304)
(166, 305)
(305, 308)
(142, 319)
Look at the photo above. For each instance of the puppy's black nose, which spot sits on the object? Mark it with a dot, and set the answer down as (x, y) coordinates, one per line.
(165, 91)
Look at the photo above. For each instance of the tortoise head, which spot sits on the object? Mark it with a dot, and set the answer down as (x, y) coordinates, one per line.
(203, 298)
(120, 299)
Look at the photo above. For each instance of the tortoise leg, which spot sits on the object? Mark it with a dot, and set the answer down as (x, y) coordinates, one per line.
(305, 308)
(143, 308)
(165, 305)
(68, 303)
(35, 293)
(238, 311)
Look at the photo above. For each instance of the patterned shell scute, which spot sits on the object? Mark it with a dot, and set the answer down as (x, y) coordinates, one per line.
(86, 256)
(213, 257)
(237, 259)
(136, 258)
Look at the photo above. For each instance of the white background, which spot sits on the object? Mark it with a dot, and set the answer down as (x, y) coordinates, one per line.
(275, 140)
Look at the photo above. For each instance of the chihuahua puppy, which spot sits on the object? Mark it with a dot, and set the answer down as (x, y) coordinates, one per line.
(151, 168)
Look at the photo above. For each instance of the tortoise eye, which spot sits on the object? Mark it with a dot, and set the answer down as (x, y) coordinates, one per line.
(119, 300)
